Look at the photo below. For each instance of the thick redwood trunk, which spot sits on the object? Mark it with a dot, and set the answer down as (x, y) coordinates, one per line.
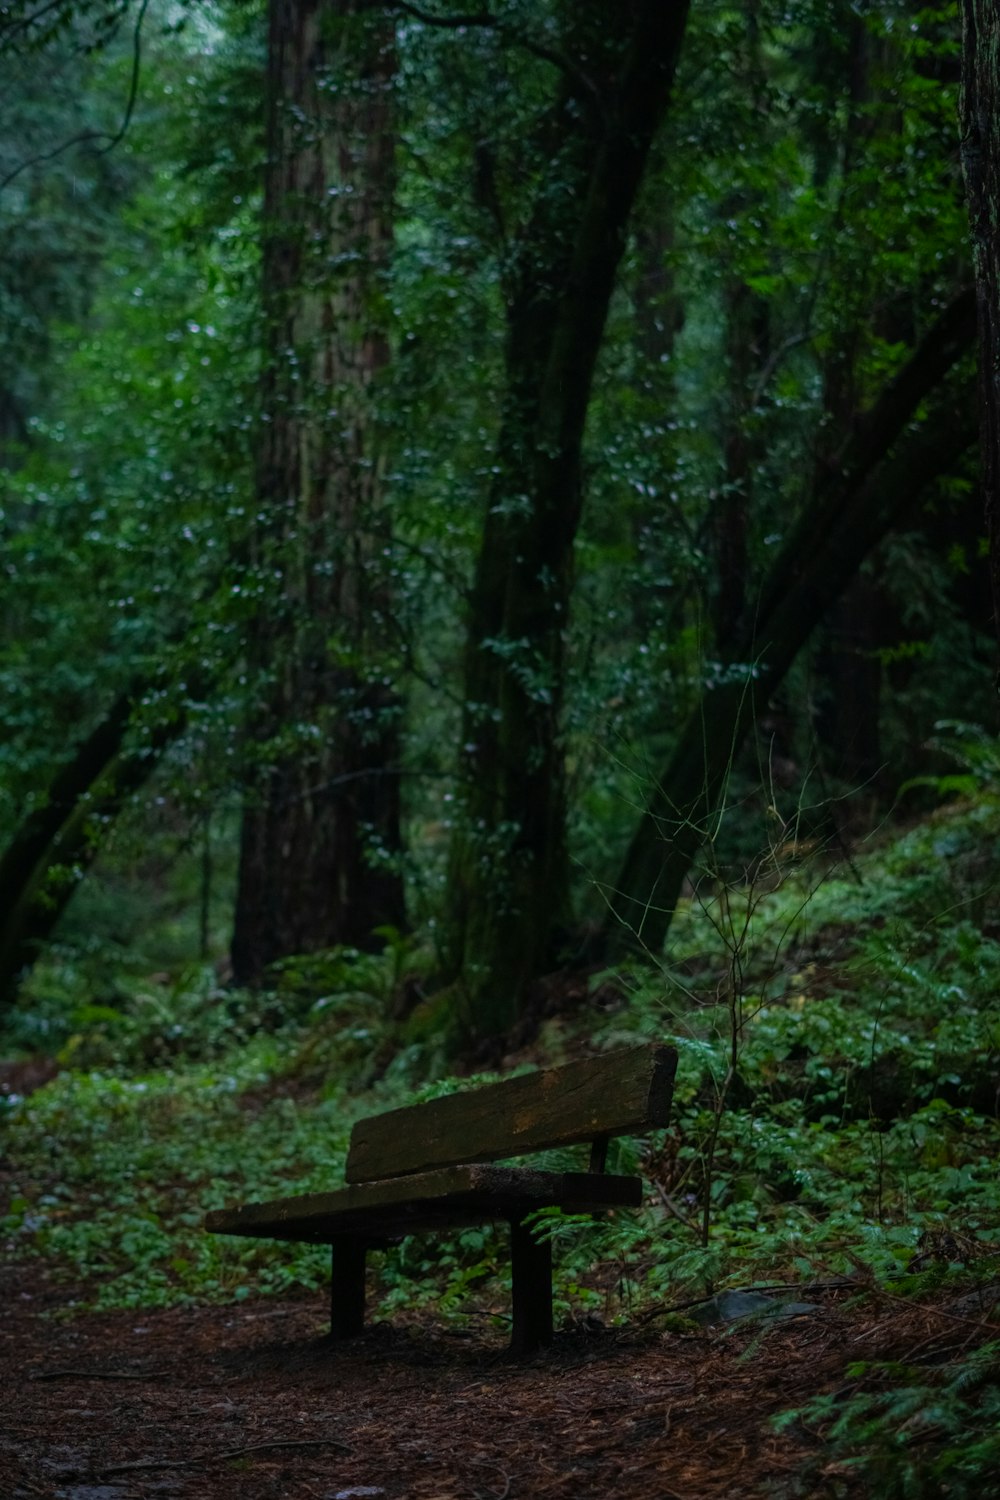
(321, 821)
(508, 886)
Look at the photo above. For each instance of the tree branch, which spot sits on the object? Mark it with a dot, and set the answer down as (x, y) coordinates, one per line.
(10, 29)
(485, 19)
(150, 1465)
(476, 18)
(95, 135)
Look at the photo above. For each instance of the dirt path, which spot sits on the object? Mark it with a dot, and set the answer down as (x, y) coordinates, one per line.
(249, 1401)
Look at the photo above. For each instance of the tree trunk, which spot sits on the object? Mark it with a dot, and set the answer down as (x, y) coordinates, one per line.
(980, 110)
(321, 821)
(876, 481)
(508, 882)
(51, 851)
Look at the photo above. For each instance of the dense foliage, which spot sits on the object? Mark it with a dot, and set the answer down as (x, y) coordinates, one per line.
(493, 550)
(786, 258)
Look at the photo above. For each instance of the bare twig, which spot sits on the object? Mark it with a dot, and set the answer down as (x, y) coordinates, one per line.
(95, 135)
(148, 1465)
(10, 28)
(476, 18)
(772, 363)
(671, 1207)
(538, 49)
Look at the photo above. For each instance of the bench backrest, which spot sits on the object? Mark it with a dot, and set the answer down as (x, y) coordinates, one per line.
(592, 1100)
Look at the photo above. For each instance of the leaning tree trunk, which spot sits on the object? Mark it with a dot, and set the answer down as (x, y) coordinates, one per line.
(49, 854)
(981, 165)
(880, 473)
(508, 880)
(321, 821)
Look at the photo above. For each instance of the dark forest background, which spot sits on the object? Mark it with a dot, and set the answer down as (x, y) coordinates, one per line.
(473, 475)
(496, 560)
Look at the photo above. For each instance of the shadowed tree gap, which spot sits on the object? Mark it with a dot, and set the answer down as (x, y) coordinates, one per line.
(848, 661)
(321, 820)
(746, 351)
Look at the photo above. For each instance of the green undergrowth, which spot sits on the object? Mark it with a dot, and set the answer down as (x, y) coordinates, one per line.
(911, 1429)
(835, 1108)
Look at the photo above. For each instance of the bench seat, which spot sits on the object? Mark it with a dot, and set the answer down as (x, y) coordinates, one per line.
(426, 1201)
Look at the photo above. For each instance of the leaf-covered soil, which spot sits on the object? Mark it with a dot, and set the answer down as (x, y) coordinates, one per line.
(251, 1401)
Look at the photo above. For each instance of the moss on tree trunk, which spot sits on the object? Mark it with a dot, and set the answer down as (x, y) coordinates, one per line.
(321, 820)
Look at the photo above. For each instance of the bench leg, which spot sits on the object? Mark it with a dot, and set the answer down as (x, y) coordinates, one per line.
(347, 1292)
(531, 1265)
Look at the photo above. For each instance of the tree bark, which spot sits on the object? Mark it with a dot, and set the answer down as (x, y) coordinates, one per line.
(51, 851)
(508, 881)
(321, 821)
(980, 119)
(880, 473)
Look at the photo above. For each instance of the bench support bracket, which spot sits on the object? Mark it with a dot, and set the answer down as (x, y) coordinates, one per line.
(347, 1293)
(531, 1267)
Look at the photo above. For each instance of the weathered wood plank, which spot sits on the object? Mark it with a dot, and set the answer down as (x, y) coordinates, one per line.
(430, 1200)
(623, 1091)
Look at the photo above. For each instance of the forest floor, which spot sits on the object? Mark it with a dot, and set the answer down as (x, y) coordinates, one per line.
(250, 1401)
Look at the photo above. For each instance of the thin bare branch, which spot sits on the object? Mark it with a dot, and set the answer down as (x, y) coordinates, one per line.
(112, 140)
(149, 1465)
(484, 19)
(427, 18)
(11, 28)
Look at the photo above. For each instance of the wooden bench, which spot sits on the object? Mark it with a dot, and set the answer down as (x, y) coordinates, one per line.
(420, 1169)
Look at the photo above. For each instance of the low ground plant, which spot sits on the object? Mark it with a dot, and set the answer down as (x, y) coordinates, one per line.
(912, 1431)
